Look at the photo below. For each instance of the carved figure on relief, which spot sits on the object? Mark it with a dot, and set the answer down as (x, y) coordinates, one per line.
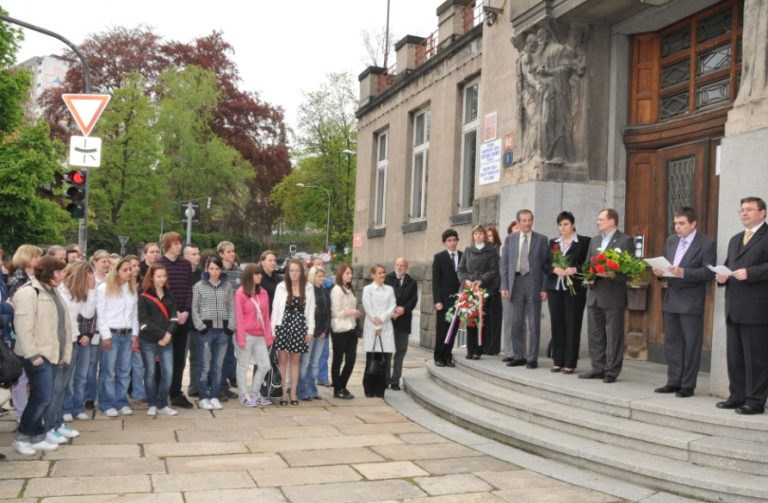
(579, 68)
(754, 82)
(527, 92)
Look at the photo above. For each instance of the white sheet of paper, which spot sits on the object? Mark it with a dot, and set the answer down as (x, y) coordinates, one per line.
(720, 269)
(660, 263)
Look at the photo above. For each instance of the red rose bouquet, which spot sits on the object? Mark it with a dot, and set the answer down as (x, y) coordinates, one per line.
(468, 310)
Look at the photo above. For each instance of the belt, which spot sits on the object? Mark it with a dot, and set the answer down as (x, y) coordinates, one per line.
(121, 331)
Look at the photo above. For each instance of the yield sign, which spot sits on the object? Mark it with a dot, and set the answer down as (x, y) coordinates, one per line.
(86, 109)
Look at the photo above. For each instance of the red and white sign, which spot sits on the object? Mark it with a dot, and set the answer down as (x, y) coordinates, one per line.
(509, 142)
(357, 240)
(86, 109)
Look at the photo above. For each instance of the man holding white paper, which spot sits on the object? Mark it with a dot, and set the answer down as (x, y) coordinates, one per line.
(689, 252)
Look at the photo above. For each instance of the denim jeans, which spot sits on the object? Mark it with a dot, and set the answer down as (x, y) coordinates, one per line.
(137, 376)
(69, 391)
(53, 414)
(229, 367)
(115, 374)
(157, 394)
(255, 352)
(322, 365)
(307, 386)
(213, 348)
(40, 378)
(85, 356)
(193, 346)
(91, 384)
(20, 395)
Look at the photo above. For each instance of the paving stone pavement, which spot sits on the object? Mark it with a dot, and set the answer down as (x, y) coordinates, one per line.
(328, 450)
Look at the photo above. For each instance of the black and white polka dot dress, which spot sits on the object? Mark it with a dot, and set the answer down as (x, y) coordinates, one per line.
(292, 332)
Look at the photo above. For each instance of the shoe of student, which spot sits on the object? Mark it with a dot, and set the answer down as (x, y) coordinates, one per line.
(54, 437)
(205, 404)
(152, 411)
(327, 384)
(89, 405)
(23, 448)
(216, 404)
(110, 412)
(45, 446)
(260, 400)
(246, 401)
(83, 416)
(227, 394)
(167, 411)
(126, 411)
(68, 418)
(67, 432)
(181, 401)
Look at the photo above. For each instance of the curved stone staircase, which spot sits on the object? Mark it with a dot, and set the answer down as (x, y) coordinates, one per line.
(624, 430)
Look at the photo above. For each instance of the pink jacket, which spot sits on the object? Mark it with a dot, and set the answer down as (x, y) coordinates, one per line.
(247, 319)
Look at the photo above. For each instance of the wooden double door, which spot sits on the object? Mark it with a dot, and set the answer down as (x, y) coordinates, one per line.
(660, 179)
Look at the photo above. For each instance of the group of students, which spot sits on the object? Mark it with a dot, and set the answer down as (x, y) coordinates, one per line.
(79, 327)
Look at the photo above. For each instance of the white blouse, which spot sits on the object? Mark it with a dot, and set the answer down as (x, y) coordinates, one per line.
(379, 301)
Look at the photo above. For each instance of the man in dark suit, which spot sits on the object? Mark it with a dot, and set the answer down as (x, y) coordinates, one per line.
(406, 297)
(522, 284)
(445, 283)
(746, 316)
(606, 301)
(689, 252)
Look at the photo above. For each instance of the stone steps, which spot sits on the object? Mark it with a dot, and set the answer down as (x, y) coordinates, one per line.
(657, 456)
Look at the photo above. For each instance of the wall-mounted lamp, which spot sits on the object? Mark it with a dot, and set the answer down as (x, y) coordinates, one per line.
(491, 13)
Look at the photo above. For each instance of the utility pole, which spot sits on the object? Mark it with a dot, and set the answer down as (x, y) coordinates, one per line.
(386, 39)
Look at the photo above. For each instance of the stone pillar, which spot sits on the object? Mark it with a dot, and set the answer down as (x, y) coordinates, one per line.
(450, 20)
(742, 163)
(405, 50)
(369, 83)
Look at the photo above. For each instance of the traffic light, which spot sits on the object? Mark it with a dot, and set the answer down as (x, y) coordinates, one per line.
(76, 193)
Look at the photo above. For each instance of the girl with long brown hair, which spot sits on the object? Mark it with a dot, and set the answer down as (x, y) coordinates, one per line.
(344, 316)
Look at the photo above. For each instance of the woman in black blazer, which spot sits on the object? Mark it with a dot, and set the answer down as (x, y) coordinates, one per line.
(566, 311)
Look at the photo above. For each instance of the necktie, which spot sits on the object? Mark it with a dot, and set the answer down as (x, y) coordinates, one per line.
(747, 236)
(680, 252)
(400, 280)
(453, 261)
(524, 256)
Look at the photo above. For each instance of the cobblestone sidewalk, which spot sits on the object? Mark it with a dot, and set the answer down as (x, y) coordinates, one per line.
(323, 451)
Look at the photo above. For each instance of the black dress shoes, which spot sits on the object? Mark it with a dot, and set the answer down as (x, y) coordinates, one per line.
(517, 363)
(667, 389)
(439, 363)
(728, 405)
(395, 387)
(609, 379)
(749, 410)
(450, 364)
(684, 393)
(532, 365)
(592, 374)
(468, 357)
(556, 369)
(507, 359)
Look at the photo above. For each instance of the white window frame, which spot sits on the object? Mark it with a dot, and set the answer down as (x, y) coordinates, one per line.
(380, 203)
(468, 125)
(419, 208)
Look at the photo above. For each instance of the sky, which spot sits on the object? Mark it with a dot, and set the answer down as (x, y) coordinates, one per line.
(281, 47)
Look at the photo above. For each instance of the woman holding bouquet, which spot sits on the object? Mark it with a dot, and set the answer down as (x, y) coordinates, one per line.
(566, 295)
(479, 268)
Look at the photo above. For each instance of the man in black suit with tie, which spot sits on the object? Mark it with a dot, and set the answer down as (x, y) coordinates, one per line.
(445, 283)
(606, 302)
(406, 298)
(689, 252)
(746, 316)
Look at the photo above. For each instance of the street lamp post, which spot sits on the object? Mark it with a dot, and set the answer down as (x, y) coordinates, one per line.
(328, 219)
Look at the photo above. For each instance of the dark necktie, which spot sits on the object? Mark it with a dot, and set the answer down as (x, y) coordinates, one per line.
(524, 256)
(453, 261)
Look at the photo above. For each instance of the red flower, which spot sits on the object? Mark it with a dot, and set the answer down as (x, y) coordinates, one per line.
(601, 257)
(600, 269)
(613, 265)
(592, 270)
(555, 247)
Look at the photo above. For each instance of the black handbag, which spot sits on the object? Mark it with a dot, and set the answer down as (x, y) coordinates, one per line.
(378, 362)
(10, 366)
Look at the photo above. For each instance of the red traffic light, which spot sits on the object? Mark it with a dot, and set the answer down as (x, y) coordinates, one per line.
(76, 177)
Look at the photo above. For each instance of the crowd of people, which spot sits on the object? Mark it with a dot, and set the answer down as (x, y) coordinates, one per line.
(90, 334)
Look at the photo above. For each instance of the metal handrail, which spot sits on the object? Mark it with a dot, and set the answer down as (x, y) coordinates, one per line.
(426, 49)
(473, 15)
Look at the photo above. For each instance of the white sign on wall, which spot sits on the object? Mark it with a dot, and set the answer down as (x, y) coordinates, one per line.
(490, 163)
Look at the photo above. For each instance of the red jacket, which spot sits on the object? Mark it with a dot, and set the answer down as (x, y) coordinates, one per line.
(247, 317)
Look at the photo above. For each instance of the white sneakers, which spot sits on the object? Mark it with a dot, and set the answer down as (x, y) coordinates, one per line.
(126, 411)
(216, 404)
(83, 416)
(152, 411)
(110, 412)
(167, 411)
(67, 432)
(54, 437)
(205, 404)
(28, 449)
(68, 418)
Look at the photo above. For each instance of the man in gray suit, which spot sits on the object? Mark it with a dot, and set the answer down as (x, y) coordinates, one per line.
(689, 252)
(606, 301)
(522, 284)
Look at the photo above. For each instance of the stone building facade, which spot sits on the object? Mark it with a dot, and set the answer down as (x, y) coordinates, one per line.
(552, 105)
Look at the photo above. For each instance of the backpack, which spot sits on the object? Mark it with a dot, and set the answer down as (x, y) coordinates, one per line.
(272, 386)
(10, 366)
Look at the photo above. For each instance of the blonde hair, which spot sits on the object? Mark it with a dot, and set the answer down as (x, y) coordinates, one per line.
(24, 255)
(113, 283)
(76, 280)
(313, 272)
(98, 255)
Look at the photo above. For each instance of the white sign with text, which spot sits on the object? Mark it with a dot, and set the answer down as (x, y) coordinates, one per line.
(490, 162)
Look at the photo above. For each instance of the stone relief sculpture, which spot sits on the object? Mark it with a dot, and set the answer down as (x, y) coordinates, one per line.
(551, 94)
(754, 81)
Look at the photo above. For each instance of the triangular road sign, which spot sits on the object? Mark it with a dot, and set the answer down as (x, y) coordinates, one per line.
(86, 109)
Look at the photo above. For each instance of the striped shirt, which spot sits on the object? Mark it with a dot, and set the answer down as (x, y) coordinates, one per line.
(179, 281)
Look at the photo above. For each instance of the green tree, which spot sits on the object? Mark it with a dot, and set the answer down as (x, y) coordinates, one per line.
(327, 128)
(28, 159)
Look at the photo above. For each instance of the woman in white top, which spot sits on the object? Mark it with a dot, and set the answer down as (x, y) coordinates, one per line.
(118, 319)
(344, 316)
(293, 323)
(78, 289)
(378, 335)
